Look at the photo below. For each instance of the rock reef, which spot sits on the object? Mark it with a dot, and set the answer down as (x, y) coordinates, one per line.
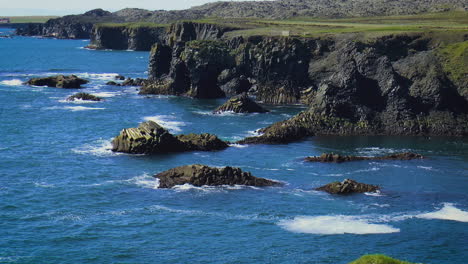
(151, 138)
(240, 104)
(336, 158)
(201, 175)
(84, 97)
(348, 187)
(59, 81)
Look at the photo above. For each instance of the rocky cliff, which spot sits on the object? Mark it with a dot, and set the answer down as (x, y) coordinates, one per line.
(126, 37)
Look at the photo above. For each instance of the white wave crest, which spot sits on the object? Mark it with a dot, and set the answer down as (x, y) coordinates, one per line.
(335, 225)
(14, 82)
(376, 193)
(238, 146)
(74, 108)
(100, 148)
(98, 76)
(448, 212)
(144, 181)
(167, 122)
(106, 94)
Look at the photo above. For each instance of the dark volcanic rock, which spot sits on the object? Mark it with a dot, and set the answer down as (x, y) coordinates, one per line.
(59, 81)
(84, 96)
(151, 138)
(240, 104)
(347, 187)
(200, 175)
(128, 82)
(326, 157)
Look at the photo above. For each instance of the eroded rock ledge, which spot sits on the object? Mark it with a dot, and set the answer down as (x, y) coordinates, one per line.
(201, 175)
(59, 81)
(151, 138)
(240, 104)
(336, 158)
(347, 187)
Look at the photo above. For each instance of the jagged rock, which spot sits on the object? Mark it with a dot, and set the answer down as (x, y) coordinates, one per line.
(119, 77)
(59, 81)
(151, 138)
(128, 82)
(203, 142)
(336, 158)
(240, 104)
(347, 187)
(200, 175)
(84, 96)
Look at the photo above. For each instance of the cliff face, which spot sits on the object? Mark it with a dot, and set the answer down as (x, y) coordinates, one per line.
(395, 84)
(126, 38)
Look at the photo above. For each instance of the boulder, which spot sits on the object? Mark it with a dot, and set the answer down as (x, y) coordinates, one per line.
(128, 82)
(240, 104)
(200, 175)
(120, 77)
(59, 81)
(84, 97)
(347, 187)
(336, 158)
(151, 138)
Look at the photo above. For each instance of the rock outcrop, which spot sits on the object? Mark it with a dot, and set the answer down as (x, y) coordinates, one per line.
(201, 175)
(59, 81)
(84, 97)
(240, 104)
(336, 158)
(128, 82)
(151, 138)
(348, 187)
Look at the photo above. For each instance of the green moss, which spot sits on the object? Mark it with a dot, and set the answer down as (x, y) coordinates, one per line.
(378, 259)
(454, 59)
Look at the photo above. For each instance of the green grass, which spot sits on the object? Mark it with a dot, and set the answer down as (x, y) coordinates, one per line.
(30, 19)
(378, 259)
(453, 21)
(132, 25)
(454, 59)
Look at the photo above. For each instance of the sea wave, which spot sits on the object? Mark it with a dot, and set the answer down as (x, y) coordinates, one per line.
(145, 181)
(335, 225)
(73, 108)
(100, 148)
(447, 212)
(168, 122)
(14, 82)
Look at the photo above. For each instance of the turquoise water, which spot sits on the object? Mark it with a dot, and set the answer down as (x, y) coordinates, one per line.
(66, 198)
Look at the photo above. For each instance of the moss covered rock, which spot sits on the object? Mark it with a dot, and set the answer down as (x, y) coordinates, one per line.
(59, 81)
(348, 187)
(378, 259)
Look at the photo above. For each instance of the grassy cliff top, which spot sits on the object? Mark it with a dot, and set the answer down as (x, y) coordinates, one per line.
(131, 25)
(30, 19)
(454, 21)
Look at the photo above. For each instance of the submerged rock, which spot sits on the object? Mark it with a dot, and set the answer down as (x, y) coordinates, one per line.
(84, 96)
(151, 138)
(327, 157)
(200, 175)
(347, 187)
(59, 81)
(128, 82)
(240, 104)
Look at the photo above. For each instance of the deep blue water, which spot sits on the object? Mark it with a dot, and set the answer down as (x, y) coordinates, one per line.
(65, 198)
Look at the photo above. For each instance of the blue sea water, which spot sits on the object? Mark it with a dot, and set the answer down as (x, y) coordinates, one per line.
(66, 198)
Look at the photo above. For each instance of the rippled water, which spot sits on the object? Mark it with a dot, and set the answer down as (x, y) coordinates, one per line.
(66, 198)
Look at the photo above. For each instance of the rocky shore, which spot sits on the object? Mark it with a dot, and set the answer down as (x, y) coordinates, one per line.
(202, 175)
(348, 187)
(336, 158)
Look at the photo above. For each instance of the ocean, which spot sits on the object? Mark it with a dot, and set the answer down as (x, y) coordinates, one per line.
(66, 198)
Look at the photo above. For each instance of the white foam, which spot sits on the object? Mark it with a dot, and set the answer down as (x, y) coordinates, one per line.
(100, 148)
(145, 181)
(74, 108)
(335, 225)
(167, 122)
(99, 76)
(106, 94)
(426, 168)
(77, 101)
(14, 82)
(375, 151)
(43, 185)
(448, 212)
(238, 146)
(376, 193)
